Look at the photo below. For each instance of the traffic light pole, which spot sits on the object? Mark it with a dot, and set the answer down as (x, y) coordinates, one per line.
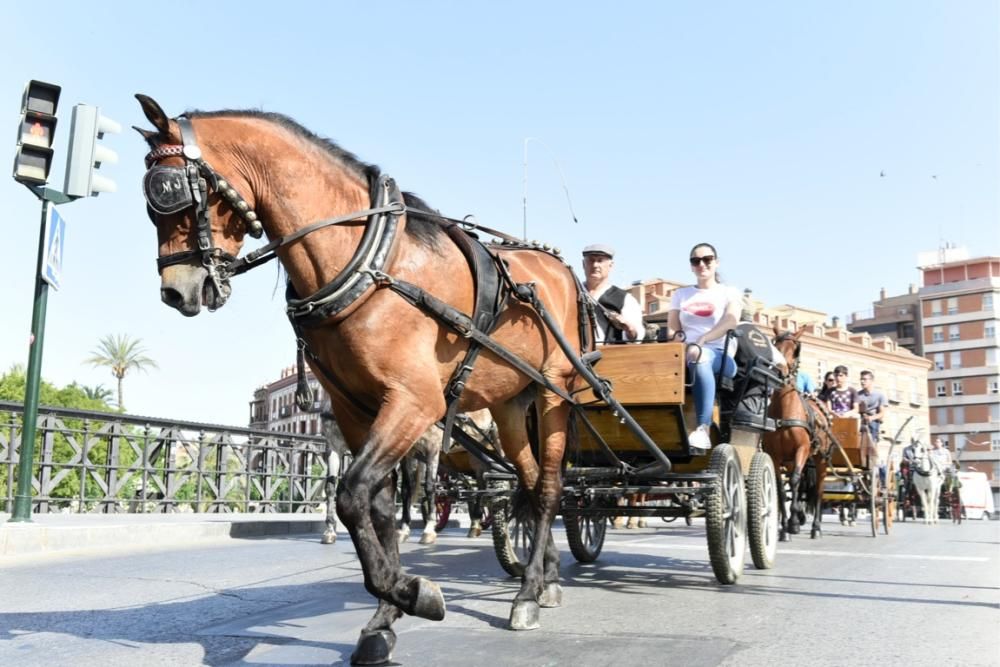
(26, 454)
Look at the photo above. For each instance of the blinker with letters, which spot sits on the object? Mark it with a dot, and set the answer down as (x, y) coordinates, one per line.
(167, 189)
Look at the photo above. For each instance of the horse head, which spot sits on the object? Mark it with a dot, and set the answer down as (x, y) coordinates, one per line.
(790, 346)
(200, 216)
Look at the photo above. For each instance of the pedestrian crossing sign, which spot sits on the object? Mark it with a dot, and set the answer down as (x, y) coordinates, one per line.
(55, 240)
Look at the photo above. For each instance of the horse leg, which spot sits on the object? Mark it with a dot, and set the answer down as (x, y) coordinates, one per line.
(476, 509)
(378, 639)
(429, 504)
(368, 517)
(793, 519)
(817, 527)
(330, 491)
(406, 486)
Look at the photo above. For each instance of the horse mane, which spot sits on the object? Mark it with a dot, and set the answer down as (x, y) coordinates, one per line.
(425, 228)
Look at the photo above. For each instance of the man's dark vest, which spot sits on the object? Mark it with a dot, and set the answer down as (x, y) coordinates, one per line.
(613, 299)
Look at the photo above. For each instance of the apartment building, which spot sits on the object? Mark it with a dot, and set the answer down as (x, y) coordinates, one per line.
(273, 406)
(898, 372)
(956, 316)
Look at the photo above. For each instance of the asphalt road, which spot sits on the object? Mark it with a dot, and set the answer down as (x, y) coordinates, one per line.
(926, 595)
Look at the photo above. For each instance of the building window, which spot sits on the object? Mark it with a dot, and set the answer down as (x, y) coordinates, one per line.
(991, 356)
(953, 305)
(956, 359)
(940, 389)
(988, 301)
(994, 387)
(936, 307)
(958, 415)
(953, 332)
(990, 330)
(937, 334)
(906, 330)
(940, 416)
(956, 388)
(654, 306)
(903, 310)
(939, 361)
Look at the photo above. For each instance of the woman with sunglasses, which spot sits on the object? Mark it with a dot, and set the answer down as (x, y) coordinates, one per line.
(705, 312)
(829, 384)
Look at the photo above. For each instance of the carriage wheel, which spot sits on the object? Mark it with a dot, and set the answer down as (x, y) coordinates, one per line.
(873, 503)
(585, 535)
(513, 537)
(762, 511)
(889, 494)
(725, 515)
(442, 510)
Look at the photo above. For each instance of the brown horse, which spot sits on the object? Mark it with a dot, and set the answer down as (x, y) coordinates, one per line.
(803, 432)
(379, 289)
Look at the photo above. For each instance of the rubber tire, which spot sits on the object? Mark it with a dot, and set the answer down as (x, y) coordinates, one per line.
(725, 515)
(512, 539)
(585, 535)
(762, 511)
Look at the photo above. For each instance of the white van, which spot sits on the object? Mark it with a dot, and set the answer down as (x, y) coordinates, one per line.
(976, 494)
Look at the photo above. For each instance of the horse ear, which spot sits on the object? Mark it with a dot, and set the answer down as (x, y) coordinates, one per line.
(777, 331)
(798, 334)
(154, 113)
(146, 134)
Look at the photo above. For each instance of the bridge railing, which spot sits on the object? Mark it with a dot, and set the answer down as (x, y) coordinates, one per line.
(109, 462)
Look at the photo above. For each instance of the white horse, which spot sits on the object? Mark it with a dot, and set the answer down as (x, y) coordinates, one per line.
(927, 480)
(419, 469)
(336, 448)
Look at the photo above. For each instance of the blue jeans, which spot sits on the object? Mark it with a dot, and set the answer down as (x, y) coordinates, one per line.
(704, 373)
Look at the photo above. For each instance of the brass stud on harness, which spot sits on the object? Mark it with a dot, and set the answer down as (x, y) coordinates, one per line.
(250, 216)
(242, 206)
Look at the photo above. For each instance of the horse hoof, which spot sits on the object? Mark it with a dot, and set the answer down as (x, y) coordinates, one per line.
(328, 538)
(642, 523)
(793, 530)
(374, 648)
(551, 596)
(816, 534)
(429, 602)
(475, 531)
(524, 615)
(851, 523)
(403, 534)
(783, 536)
(428, 538)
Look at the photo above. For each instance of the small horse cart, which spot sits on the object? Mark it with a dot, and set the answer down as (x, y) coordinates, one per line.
(733, 486)
(857, 478)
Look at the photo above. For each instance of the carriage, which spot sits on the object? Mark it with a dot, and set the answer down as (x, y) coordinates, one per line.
(856, 478)
(733, 486)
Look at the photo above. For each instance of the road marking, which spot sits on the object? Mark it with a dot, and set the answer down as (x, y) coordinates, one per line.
(805, 552)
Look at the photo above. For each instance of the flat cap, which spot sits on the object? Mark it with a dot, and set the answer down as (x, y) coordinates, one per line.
(599, 249)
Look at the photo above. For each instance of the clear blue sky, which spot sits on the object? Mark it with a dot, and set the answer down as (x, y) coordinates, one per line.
(761, 127)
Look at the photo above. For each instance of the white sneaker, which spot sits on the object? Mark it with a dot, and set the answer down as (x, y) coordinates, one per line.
(699, 441)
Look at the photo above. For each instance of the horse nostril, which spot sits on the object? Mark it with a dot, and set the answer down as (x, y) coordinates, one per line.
(171, 297)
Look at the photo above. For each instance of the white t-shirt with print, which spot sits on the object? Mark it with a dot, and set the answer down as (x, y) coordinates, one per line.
(701, 309)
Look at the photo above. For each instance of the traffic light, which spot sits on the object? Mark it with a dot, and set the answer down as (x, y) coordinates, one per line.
(86, 153)
(33, 157)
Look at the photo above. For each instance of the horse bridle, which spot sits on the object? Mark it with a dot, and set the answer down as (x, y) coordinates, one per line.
(794, 369)
(170, 190)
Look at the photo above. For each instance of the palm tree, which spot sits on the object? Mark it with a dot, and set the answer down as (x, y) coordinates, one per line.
(121, 354)
(98, 392)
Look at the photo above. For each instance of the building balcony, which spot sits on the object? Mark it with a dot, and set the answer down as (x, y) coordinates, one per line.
(939, 319)
(964, 399)
(952, 345)
(971, 371)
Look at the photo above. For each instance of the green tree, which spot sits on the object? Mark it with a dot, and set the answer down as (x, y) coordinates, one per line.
(121, 354)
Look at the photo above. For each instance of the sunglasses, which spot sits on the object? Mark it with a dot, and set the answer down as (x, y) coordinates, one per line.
(830, 381)
(706, 260)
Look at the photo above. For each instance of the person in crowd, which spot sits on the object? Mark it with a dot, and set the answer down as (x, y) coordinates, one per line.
(941, 455)
(843, 399)
(619, 315)
(829, 384)
(872, 405)
(705, 312)
(804, 383)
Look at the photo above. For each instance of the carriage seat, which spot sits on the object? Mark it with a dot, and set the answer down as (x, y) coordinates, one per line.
(743, 401)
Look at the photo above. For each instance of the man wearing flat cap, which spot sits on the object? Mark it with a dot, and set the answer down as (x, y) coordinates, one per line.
(619, 316)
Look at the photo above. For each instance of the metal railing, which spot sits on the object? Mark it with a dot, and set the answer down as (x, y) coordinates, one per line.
(108, 462)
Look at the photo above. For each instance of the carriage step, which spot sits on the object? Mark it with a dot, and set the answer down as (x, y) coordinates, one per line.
(591, 358)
